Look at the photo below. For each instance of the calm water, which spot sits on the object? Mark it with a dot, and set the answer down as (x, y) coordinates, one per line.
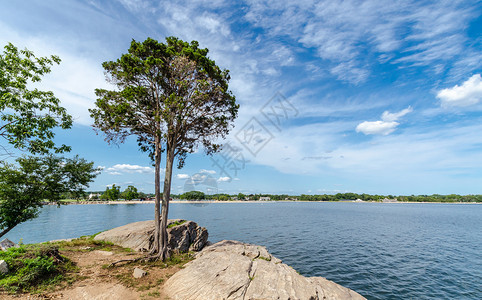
(383, 251)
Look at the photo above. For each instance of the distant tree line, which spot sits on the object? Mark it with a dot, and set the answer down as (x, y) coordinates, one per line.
(112, 193)
(198, 195)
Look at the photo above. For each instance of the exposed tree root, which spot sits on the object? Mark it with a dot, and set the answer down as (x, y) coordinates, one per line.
(126, 261)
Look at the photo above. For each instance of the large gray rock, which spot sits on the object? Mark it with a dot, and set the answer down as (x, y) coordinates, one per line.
(139, 236)
(6, 243)
(235, 270)
(3, 267)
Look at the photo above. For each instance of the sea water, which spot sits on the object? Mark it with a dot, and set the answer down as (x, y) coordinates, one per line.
(382, 251)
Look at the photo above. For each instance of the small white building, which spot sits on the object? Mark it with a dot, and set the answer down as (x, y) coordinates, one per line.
(94, 196)
(264, 199)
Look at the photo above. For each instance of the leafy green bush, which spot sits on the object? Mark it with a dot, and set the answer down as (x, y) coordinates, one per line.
(33, 267)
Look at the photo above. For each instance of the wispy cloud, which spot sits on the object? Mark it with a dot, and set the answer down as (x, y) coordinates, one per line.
(127, 168)
(346, 33)
(469, 93)
(207, 171)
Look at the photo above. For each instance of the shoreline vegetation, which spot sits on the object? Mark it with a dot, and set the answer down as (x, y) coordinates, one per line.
(105, 197)
(80, 202)
(132, 195)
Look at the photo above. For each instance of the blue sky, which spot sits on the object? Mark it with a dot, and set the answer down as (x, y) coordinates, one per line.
(336, 96)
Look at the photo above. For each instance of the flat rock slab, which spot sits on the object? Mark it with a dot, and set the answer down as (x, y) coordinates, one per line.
(235, 270)
(139, 236)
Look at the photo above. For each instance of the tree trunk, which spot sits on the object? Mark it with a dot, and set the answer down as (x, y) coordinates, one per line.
(163, 253)
(155, 249)
(4, 232)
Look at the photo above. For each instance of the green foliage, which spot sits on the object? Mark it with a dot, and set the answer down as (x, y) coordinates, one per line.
(130, 193)
(176, 223)
(25, 186)
(170, 91)
(193, 195)
(28, 116)
(33, 267)
(112, 193)
(87, 244)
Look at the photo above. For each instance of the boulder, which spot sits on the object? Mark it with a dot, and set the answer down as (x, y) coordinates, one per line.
(6, 243)
(3, 267)
(182, 235)
(235, 270)
(139, 273)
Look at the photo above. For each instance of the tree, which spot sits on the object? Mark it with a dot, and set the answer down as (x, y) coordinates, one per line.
(168, 94)
(25, 186)
(112, 193)
(130, 193)
(28, 116)
(193, 195)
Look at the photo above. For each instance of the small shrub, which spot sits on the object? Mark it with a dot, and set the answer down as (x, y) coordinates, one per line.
(33, 267)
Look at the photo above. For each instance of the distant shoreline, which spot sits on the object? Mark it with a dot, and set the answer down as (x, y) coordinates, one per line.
(241, 201)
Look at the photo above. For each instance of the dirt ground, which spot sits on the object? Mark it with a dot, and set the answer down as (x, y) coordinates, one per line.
(95, 280)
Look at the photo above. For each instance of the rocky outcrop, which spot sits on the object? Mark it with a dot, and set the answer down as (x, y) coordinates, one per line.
(235, 270)
(182, 235)
(3, 267)
(6, 243)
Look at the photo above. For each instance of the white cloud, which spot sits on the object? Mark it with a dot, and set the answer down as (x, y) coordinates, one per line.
(385, 126)
(469, 93)
(207, 171)
(224, 179)
(377, 127)
(127, 168)
(182, 176)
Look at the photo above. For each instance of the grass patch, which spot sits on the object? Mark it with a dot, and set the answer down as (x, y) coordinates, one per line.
(263, 258)
(124, 275)
(176, 223)
(154, 294)
(145, 287)
(35, 268)
(86, 244)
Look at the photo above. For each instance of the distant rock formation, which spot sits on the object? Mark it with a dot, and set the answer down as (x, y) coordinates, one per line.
(235, 270)
(182, 235)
